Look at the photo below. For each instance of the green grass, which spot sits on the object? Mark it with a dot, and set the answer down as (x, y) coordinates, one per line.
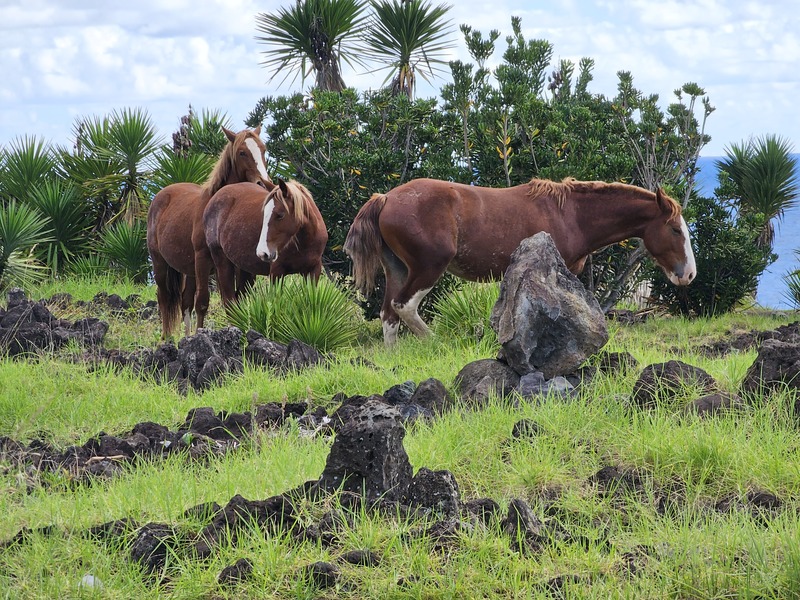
(691, 551)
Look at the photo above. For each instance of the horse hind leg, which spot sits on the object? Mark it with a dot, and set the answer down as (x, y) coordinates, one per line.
(420, 281)
(396, 273)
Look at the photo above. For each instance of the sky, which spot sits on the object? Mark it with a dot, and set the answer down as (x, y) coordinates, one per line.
(61, 60)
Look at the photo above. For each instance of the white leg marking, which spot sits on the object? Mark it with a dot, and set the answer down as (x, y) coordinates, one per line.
(258, 157)
(408, 312)
(390, 332)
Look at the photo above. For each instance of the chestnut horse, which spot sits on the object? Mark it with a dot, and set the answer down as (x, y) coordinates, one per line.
(176, 237)
(425, 227)
(252, 232)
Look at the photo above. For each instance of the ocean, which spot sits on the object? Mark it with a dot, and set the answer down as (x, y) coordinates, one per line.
(771, 285)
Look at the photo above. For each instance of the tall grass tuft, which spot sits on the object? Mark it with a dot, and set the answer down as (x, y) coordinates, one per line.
(464, 314)
(320, 314)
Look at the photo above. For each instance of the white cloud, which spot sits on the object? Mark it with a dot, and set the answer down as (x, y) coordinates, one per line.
(61, 60)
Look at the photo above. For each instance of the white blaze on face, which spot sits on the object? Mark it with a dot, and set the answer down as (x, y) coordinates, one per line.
(689, 267)
(262, 251)
(258, 157)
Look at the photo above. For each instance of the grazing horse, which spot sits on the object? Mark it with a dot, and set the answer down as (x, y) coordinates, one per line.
(425, 227)
(252, 232)
(176, 237)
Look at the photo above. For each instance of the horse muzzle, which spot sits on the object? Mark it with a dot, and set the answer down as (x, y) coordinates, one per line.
(682, 276)
(268, 255)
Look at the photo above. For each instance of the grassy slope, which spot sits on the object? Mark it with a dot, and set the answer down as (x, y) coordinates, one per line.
(694, 551)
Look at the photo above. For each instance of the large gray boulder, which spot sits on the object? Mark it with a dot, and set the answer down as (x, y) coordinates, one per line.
(545, 319)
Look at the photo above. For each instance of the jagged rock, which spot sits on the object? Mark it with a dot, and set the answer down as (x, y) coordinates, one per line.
(711, 404)
(776, 367)
(432, 395)
(435, 490)
(300, 355)
(241, 570)
(522, 526)
(484, 510)
(153, 543)
(526, 429)
(534, 384)
(367, 456)
(400, 393)
(544, 318)
(478, 380)
(322, 575)
(667, 380)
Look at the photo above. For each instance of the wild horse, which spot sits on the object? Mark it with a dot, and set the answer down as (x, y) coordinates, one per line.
(176, 236)
(425, 227)
(252, 232)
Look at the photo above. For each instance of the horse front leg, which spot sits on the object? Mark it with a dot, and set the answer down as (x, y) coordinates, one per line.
(187, 302)
(202, 296)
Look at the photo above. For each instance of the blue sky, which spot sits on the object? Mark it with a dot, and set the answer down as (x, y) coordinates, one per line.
(61, 60)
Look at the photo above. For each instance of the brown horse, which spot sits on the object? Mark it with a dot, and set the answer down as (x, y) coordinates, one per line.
(425, 227)
(176, 237)
(252, 232)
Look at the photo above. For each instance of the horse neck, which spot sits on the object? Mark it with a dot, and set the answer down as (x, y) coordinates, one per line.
(613, 216)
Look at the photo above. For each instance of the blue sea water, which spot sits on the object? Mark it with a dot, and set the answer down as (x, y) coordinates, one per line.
(771, 286)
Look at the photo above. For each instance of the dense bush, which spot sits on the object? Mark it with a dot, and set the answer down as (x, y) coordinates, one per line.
(729, 261)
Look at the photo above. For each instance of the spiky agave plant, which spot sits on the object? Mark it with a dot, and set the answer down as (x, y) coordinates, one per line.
(125, 247)
(464, 314)
(21, 229)
(321, 314)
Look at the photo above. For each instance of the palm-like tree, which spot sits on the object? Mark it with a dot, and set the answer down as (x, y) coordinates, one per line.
(410, 37)
(112, 163)
(21, 229)
(312, 36)
(763, 174)
(25, 164)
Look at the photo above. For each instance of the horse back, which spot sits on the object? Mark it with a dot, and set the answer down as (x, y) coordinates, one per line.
(475, 228)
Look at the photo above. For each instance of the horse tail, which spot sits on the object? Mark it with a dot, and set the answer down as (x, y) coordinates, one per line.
(169, 297)
(364, 243)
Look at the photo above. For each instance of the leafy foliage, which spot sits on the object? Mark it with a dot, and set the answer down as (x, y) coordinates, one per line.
(729, 262)
(464, 314)
(125, 247)
(25, 164)
(21, 229)
(64, 211)
(311, 36)
(410, 37)
(322, 314)
(762, 172)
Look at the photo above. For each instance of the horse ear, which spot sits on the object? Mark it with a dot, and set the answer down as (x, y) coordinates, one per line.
(663, 204)
(257, 130)
(282, 185)
(228, 133)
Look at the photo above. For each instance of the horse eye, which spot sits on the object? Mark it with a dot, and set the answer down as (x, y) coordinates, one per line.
(676, 231)
(279, 217)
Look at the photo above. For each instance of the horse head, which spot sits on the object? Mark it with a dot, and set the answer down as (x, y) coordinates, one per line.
(667, 239)
(246, 154)
(284, 213)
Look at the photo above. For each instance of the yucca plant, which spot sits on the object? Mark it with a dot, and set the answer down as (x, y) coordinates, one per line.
(125, 247)
(312, 36)
(464, 313)
(21, 229)
(26, 163)
(792, 279)
(321, 314)
(411, 38)
(90, 265)
(174, 168)
(64, 211)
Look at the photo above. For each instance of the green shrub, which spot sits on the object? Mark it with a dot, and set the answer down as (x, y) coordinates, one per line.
(729, 262)
(320, 314)
(125, 247)
(464, 314)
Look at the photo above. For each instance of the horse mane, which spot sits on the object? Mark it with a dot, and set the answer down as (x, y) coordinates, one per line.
(303, 201)
(224, 167)
(540, 188)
